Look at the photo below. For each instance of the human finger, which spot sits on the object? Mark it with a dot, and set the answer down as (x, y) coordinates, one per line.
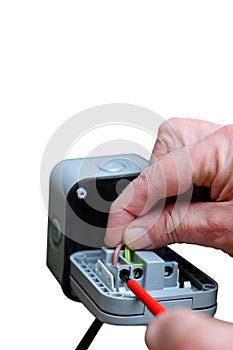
(178, 223)
(184, 329)
(158, 181)
(175, 133)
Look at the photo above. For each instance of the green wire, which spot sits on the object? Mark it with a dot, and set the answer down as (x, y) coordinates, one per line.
(127, 257)
(127, 254)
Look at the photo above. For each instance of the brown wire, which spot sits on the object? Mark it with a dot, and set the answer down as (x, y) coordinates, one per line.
(116, 254)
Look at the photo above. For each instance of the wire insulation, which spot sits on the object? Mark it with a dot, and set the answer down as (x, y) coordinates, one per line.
(116, 253)
(153, 305)
(90, 335)
(127, 254)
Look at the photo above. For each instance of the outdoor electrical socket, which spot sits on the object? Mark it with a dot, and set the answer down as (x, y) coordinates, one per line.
(80, 197)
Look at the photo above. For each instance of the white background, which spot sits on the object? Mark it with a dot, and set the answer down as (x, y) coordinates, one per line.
(58, 58)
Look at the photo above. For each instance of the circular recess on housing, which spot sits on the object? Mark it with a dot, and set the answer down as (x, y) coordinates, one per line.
(113, 166)
(137, 273)
(124, 275)
(168, 271)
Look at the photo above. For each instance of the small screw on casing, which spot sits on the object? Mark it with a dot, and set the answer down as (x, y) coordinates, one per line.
(81, 193)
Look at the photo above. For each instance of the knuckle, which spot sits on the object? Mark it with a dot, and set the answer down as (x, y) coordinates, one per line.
(225, 133)
(169, 225)
(174, 120)
(176, 219)
(220, 225)
(140, 184)
(228, 130)
(168, 125)
(168, 221)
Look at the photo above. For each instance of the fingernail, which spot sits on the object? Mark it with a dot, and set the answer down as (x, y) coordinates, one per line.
(137, 237)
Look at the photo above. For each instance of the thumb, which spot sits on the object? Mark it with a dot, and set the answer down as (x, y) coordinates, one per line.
(184, 329)
(208, 224)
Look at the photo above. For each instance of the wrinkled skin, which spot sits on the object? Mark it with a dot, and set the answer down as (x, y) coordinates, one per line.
(187, 152)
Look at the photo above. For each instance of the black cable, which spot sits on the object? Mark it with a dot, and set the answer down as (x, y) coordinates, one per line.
(90, 335)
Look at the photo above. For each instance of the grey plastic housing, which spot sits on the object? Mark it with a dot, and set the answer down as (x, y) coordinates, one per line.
(74, 248)
(66, 231)
(109, 299)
